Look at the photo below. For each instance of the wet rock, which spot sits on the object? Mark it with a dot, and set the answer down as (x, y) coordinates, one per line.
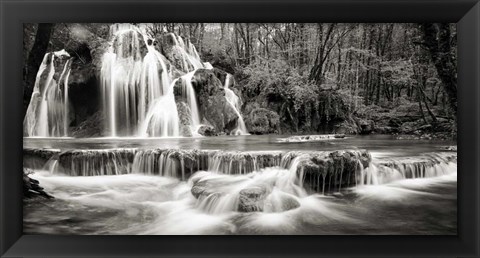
(252, 199)
(289, 203)
(207, 130)
(339, 136)
(212, 103)
(137, 49)
(32, 188)
(332, 171)
(222, 75)
(286, 202)
(200, 188)
(91, 127)
(170, 48)
(262, 121)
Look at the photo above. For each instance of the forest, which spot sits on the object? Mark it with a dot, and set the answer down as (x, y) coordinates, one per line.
(292, 78)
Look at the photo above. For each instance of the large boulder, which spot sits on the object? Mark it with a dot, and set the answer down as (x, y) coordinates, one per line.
(212, 103)
(262, 121)
(332, 171)
(252, 199)
(207, 130)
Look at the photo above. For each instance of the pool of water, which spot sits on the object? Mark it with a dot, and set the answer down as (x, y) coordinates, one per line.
(376, 144)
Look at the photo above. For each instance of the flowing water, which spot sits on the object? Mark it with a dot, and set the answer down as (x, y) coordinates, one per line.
(137, 85)
(242, 185)
(47, 113)
(234, 101)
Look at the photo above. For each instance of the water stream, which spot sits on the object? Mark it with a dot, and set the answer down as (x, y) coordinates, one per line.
(256, 189)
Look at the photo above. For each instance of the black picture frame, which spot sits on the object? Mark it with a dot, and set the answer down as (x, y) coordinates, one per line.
(13, 13)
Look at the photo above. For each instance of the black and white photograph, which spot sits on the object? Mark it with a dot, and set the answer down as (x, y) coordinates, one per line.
(240, 129)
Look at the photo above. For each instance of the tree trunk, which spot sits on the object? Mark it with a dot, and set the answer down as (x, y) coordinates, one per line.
(437, 39)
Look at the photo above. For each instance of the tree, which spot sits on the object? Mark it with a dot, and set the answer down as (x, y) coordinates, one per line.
(437, 37)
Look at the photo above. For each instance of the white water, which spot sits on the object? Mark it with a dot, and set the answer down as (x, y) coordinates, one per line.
(137, 86)
(188, 93)
(162, 117)
(234, 101)
(47, 113)
(188, 53)
(389, 170)
(144, 204)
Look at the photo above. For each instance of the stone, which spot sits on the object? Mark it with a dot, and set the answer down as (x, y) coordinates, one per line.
(173, 52)
(207, 130)
(252, 199)
(32, 188)
(91, 127)
(212, 103)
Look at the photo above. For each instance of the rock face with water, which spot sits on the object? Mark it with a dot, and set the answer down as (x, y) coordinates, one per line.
(169, 46)
(47, 114)
(212, 102)
(332, 171)
(128, 77)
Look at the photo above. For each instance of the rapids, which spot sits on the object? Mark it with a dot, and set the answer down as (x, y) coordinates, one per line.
(321, 190)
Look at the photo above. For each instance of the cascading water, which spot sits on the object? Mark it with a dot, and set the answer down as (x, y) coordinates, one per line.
(234, 101)
(162, 117)
(188, 54)
(138, 88)
(188, 93)
(48, 111)
(216, 191)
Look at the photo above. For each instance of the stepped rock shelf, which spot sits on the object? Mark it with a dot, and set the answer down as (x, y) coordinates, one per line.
(318, 171)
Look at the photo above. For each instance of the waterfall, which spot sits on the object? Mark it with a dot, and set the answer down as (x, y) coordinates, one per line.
(295, 172)
(188, 93)
(162, 117)
(137, 87)
(121, 73)
(389, 170)
(48, 113)
(234, 101)
(188, 53)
